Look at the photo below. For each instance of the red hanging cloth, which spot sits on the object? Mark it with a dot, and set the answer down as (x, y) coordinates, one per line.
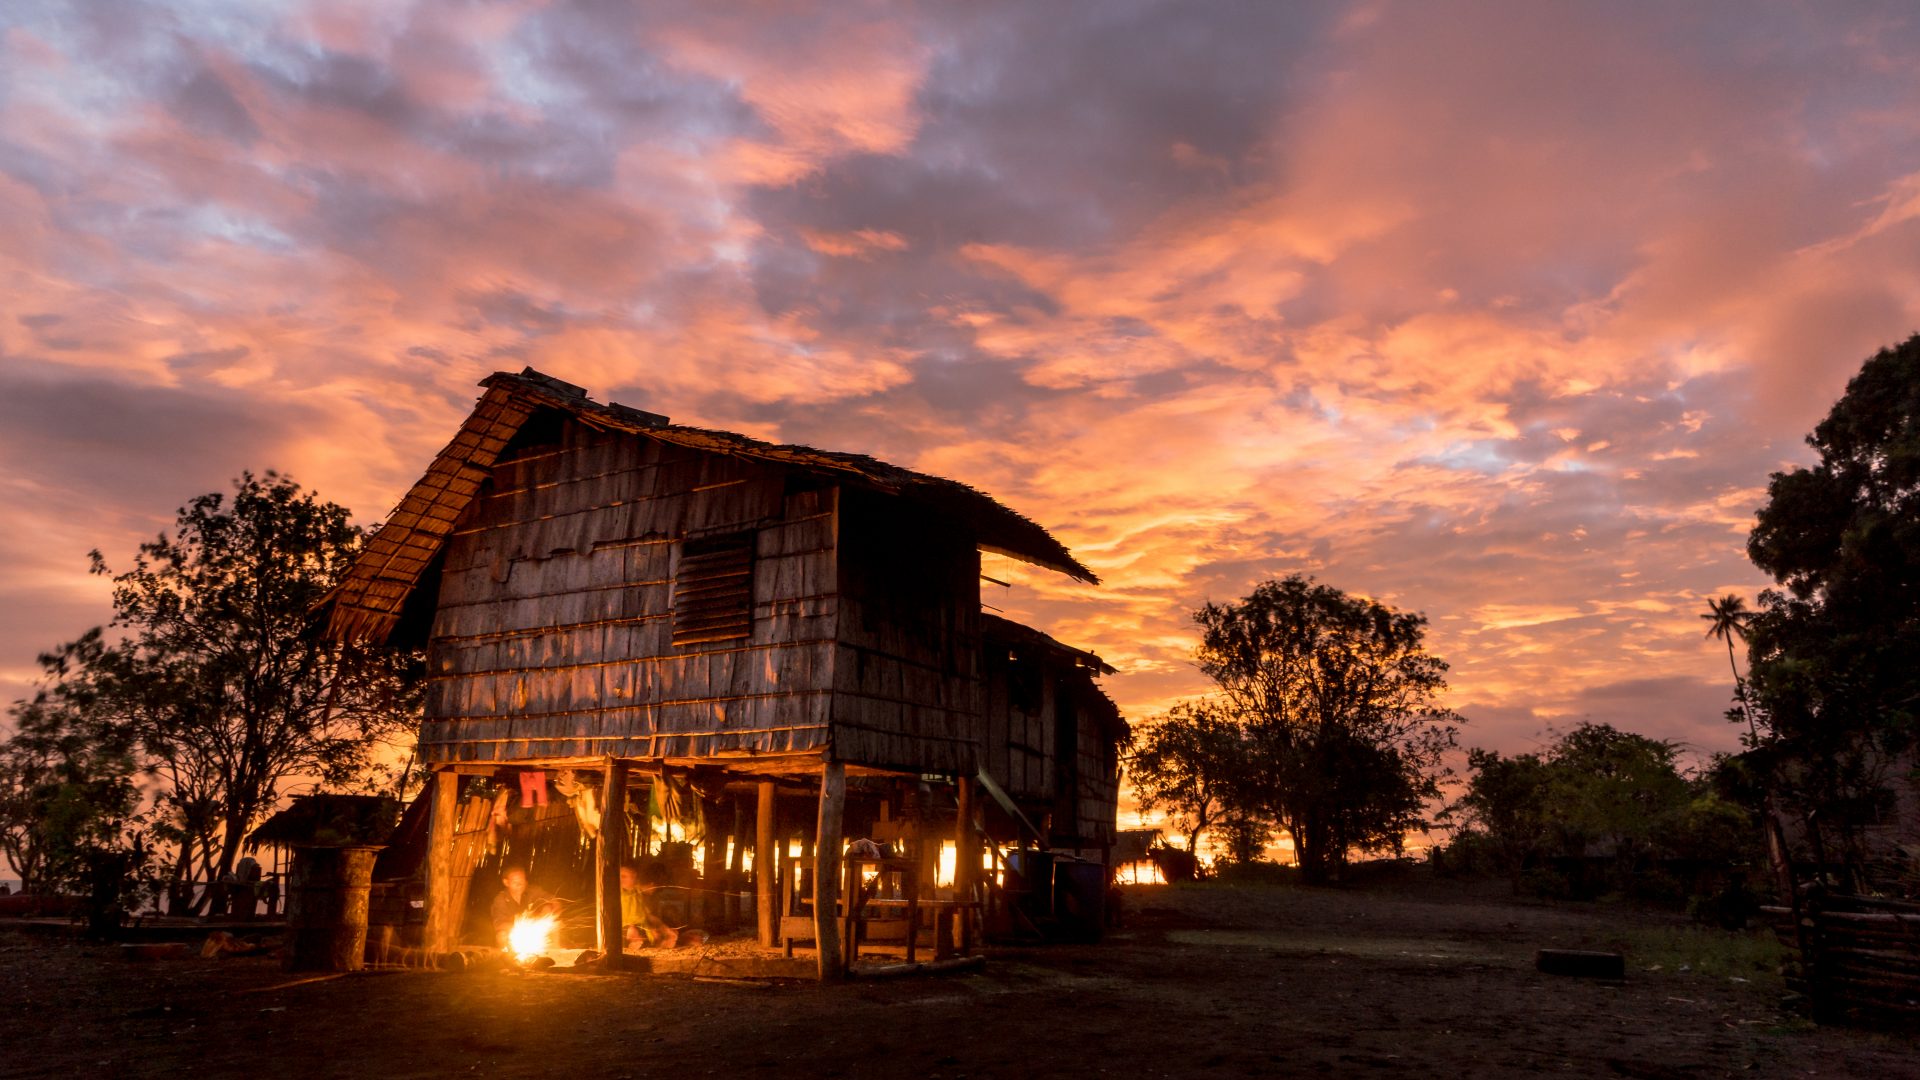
(533, 787)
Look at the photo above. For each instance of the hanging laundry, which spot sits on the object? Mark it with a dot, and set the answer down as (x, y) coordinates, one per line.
(585, 800)
(533, 787)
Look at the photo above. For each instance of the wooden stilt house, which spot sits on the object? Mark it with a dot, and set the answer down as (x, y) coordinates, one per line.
(799, 631)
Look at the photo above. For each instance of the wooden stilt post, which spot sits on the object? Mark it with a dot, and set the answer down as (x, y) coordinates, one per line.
(606, 863)
(737, 842)
(785, 875)
(766, 868)
(966, 863)
(646, 823)
(443, 923)
(713, 866)
(826, 870)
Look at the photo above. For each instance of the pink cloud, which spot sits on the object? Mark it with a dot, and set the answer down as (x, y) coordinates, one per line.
(1498, 313)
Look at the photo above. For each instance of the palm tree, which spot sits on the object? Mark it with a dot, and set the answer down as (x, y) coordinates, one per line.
(1729, 618)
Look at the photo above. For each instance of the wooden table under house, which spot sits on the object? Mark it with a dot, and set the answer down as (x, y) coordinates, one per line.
(600, 591)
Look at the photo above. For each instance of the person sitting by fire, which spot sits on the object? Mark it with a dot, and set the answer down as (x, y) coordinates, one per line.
(640, 920)
(518, 897)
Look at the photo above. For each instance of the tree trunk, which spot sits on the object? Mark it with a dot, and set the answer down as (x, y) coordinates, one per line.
(1740, 693)
(1310, 851)
(182, 878)
(206, 859)
(236, 833)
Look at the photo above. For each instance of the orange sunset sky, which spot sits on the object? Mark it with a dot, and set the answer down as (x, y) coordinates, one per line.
(1499, 312)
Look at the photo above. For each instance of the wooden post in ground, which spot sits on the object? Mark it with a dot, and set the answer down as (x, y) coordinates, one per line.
(766, 869)
(736, 853)
(713, 866)
(966, 863)
(443, 923)
(606, 864)
(826, 870)
(646, 823)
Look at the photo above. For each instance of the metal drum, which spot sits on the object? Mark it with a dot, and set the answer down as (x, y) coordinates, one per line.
(1030, 881)
(1080, 898)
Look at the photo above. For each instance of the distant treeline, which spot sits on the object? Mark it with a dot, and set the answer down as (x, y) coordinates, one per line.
(1326, 725)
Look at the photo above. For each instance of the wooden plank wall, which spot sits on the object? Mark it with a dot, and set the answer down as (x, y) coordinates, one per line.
(1025, 688)
(907, 685)
(552, 635)
(1097, 773)
(1017, 740)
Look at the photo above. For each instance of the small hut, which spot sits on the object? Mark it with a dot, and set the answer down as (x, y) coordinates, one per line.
(649, 615)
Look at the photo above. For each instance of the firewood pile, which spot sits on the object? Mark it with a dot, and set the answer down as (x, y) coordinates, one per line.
(1857, 958)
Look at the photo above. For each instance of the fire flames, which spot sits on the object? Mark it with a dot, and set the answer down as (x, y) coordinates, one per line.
(530, 936)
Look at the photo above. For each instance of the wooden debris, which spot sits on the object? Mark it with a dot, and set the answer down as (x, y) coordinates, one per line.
(726, 980)
(1581, 963)
(155, 950)
(297, 982)
(930, 967)
(1857, 957)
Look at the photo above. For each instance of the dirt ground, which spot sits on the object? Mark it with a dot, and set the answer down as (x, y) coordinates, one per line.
(1421, 979)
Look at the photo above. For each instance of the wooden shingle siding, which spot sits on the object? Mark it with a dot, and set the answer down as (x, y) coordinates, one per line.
(553, 636)
(1097, 774)
(1033, 685)
(1017, 726)
(907, 689)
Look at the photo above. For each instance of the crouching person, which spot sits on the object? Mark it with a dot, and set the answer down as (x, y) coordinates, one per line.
(517, 897)
(640, 921)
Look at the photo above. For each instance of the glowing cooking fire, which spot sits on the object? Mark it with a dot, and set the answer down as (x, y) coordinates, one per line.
(530, 936)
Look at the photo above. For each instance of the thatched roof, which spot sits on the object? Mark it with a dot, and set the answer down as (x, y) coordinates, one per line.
(995, 628)
(368, 603)
(328, 820)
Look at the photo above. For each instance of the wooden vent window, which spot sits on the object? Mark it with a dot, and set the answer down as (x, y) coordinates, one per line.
(713, 590)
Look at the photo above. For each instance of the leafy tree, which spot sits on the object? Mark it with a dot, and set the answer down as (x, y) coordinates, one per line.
(1508, 806)
(1340, 700)
(1833, 682)
(224, 683)
(67, 791)
(1618, 800)
(1596, 791)
(1188, 762)
(1613, 791)
(1244, 835)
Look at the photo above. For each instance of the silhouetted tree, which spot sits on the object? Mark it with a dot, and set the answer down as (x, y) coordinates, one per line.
(1614, 799)
(67, 791)
(1243, 836)
(1613, 791)
(1188, 763)
(1832, 677)
(1341, 702)
(1728, 618)
(223, 681)
(1507, 807)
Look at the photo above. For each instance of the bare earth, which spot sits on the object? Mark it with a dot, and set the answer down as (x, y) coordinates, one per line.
(1421, 980)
